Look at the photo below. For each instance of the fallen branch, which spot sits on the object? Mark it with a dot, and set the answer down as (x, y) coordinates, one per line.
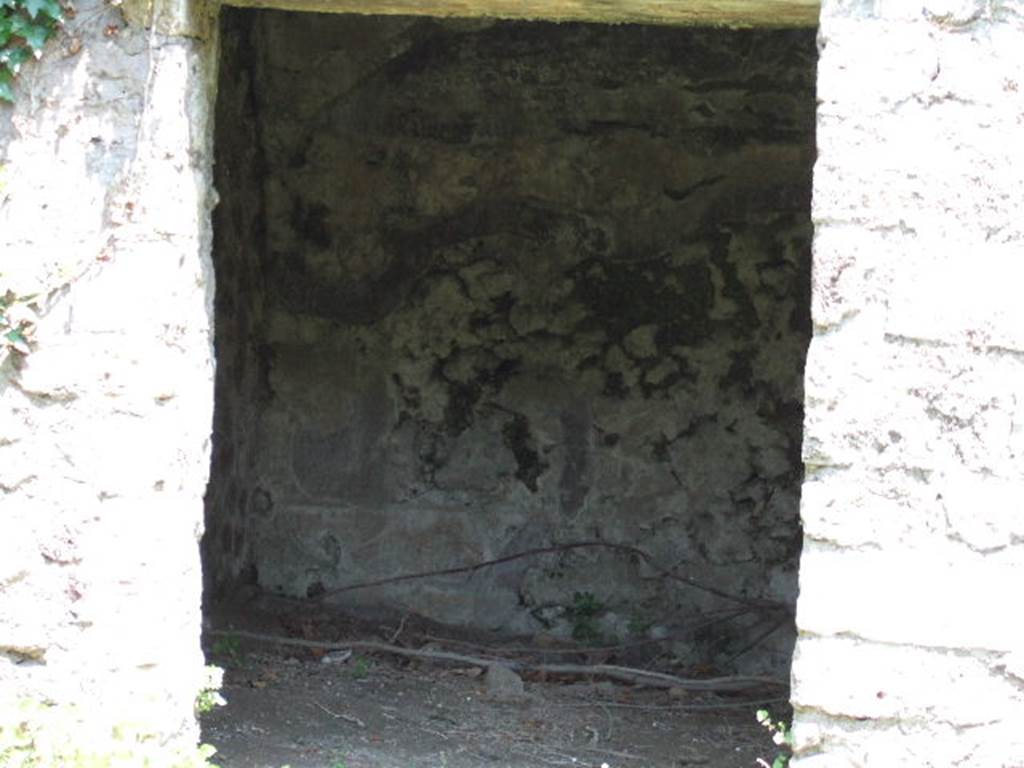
(658, 679)
(706, 706)
(341, 715)
(727, 615)
(358, 645)
(662, 572)
(610, 671)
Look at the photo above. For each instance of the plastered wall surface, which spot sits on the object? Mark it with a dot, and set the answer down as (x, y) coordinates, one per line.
(104, 426)
(910, 645)
(489, 287)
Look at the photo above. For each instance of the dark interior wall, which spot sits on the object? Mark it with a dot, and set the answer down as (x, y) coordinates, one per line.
(486, 287)
(241, 388)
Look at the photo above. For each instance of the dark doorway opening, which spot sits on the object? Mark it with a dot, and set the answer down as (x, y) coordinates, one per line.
(518, 311)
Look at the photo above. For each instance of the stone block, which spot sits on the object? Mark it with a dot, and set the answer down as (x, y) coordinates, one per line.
(967, 293)
(851, 272)
(912, 404)
(947, 14)
(866, 68)
(983, 512)
(847, 507)
(848, 743)
(503, 684)
(941, 597)
(954, 206)
(920, 94)
(912, 509)
(853, 678)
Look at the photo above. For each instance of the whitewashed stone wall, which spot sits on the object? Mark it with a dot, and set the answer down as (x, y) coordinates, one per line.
(911, 648)
(911, 639)
(104, 426)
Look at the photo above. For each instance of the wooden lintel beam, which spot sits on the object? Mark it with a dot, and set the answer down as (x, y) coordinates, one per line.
(717, 13)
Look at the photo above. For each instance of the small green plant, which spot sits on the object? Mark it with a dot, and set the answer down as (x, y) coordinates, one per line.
(25, 26)
(782, 735)
(583, 614)
(209, 697)
(228, 647)
(360, 668)
(207, 701)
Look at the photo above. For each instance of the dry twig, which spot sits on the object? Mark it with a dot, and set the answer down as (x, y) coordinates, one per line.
(678, 707)
(611, 671)
(397, 632)
(624, 548)
(341, 716)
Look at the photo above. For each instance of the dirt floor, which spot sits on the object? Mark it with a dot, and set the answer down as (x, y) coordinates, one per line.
(307, 707)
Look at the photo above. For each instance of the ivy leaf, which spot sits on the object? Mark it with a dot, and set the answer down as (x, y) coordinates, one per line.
(13, 58)
(16, 340)
(6, 92)
(35, 34)
(5, 29)
(49, 7)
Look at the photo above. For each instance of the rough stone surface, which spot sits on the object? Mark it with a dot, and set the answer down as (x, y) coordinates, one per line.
(503, 684)
(486, 287)
(908, 651)
(104, 425)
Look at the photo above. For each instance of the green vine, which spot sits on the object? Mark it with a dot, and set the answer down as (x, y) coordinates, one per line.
(25, 26)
